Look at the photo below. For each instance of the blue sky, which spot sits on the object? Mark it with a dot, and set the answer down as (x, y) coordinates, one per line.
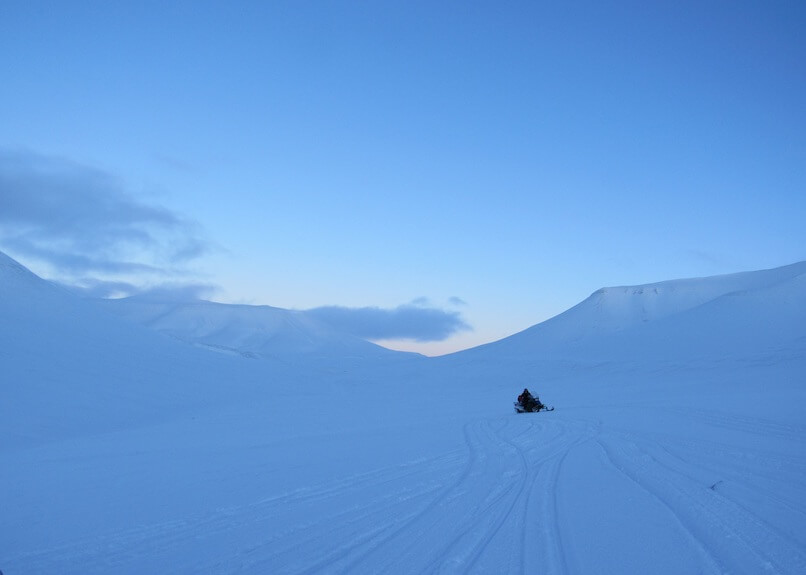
(475, 166)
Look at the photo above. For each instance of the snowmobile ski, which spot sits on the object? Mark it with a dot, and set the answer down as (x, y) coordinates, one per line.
(520, 409)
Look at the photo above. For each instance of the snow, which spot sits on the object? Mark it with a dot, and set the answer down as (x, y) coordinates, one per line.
(766, 305)
(676, 445)
(253, 331)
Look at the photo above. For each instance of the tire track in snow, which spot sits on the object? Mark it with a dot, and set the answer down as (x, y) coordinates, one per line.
(547, 532)
(351, 557)
(736, 422)
(505, 520)
(741, 513)
(746, 460)
(515, 514)
(743, 482)
(552, 541)
(490, 527)
(347, 533)
(425, 514)
(697, 542)
(462, 511)
(429, 527)
(99, 554)
(735, 540)
(466, 511)
(369, 528)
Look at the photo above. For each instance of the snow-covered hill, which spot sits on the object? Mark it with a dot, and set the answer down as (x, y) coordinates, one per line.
(676, 445)
(730, 315)
(254, 331)
(68, 368)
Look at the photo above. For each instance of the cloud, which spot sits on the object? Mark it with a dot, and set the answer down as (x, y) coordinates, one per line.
(413, 322)
(96, 288)
(167, 292)
(175, 292)
(80, 221)
(457, 301)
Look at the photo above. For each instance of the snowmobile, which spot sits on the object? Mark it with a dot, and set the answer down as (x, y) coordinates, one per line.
(521, 408)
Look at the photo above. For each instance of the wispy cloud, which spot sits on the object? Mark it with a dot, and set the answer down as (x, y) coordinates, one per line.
(412, 321)
(81, 221)
(165, 292)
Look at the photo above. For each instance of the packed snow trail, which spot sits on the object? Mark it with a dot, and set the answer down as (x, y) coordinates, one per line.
(534, 493)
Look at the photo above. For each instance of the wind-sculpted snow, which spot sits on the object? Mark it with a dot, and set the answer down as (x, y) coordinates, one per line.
(128, 452)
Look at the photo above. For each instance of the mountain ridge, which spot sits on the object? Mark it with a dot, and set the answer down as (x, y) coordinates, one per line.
(607, 318)
(618, 312)
(252, 331)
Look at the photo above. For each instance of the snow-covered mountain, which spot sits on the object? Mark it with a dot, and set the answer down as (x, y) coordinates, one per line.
(125, 451)
(69, 368)
(730, 315)
(253, 331)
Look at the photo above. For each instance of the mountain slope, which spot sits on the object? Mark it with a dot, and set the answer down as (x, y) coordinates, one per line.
(68, 368)
(730, 314)
(262, 331)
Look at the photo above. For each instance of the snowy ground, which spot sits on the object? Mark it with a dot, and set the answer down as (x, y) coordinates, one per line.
(603, 484)
(128, 454)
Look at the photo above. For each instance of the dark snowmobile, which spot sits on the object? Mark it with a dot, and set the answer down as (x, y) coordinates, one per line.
(527, 403)
(520, 408)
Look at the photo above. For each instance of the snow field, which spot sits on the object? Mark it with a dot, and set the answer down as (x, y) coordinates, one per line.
(676, 445)
(574, 491)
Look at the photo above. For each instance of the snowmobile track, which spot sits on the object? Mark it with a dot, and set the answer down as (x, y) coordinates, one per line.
(712, 520)
(489, 505)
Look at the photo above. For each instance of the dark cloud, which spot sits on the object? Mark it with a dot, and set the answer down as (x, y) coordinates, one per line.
(412, 322)
(457, 301)
(80, 220)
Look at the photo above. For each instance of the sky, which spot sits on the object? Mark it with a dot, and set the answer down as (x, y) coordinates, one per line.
(432, 175)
